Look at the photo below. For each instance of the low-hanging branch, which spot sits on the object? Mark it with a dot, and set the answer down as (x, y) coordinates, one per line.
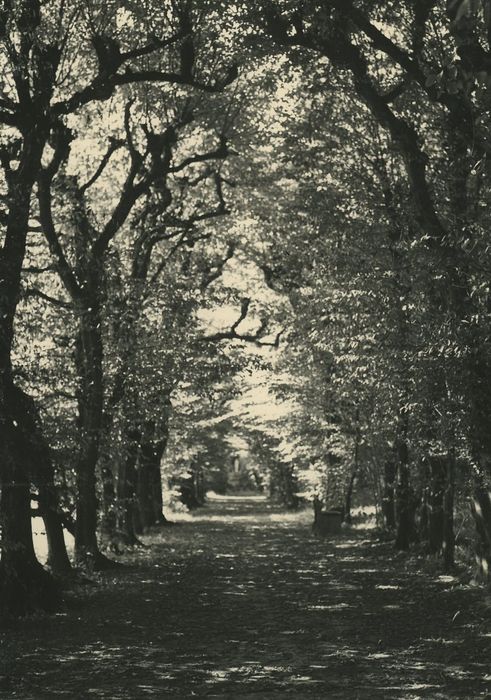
(256, 337)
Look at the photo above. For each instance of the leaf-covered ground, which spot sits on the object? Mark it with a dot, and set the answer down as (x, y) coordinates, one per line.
(242, 601)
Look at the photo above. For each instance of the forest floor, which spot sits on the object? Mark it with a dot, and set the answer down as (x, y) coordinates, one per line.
(242, 601)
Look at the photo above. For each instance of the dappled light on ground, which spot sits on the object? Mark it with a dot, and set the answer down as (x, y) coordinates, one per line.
(240, 600)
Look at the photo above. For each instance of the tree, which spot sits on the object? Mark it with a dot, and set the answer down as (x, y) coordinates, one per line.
(42, 88)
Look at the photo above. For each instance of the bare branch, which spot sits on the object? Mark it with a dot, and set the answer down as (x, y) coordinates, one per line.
(63, 267)
(31, 269)
(151, 47)
(232, 334)
(34, 292)
(114, 145)
(219, 153)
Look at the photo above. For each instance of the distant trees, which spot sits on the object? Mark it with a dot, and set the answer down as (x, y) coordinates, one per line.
(417, 73)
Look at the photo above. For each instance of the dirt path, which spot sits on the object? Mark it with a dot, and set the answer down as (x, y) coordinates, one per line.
(241, 602)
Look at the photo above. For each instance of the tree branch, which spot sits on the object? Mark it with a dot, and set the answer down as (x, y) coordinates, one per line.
(35, 292)
(212, 276)
(219, 153)
(232, 334)
(102, 87)
(63, 267)
(114, 145)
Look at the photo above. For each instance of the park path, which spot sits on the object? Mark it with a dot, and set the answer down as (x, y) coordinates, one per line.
(242, 601)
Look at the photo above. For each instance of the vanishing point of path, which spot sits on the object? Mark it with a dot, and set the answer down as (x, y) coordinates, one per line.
(242, 601)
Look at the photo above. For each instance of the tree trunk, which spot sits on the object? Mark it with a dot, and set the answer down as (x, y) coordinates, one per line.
(405, 526)
(317, 505)
(156, 482)
(58, 560)
(479, 398)
(149, 489)
(49, 506)
(34, 453)
(388, 501)
(404, 510)
(43, 475)
(448, 516)
(24, 585)
(108, 518)
(144, 494)
(349, 496)
(437, 467)
(89, 357)
(126, 490)
(354, 473)
(481, 508)
(86, 547)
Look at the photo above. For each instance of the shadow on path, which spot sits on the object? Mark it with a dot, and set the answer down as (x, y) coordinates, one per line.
(243, 601)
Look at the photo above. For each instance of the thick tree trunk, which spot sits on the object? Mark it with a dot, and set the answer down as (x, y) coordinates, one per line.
(86, 547)
(149, 483)
(49, 506)
(149, 491)
(89, 364)
(43, 475)
(24, 585)
(58, 560)
(33, 452)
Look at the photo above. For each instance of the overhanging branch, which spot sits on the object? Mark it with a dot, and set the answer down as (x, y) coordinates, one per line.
(256, 337)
